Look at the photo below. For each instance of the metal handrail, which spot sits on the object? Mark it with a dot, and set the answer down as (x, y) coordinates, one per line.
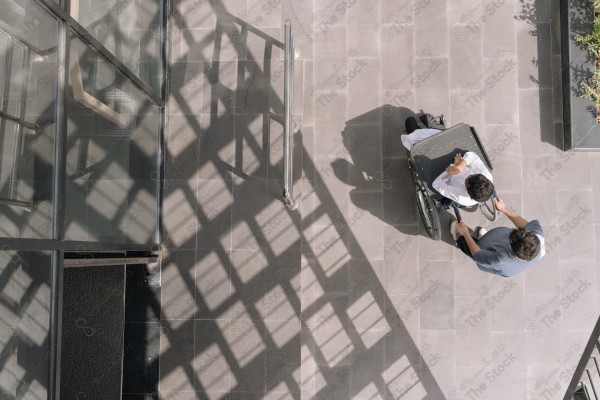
(99, 262)
(585, 357)
(288, 98)
(29, 125)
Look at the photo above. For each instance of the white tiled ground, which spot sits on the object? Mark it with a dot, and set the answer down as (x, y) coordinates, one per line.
(346, 298)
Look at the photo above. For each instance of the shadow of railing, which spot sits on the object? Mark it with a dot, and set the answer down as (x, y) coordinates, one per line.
(25, 323)
(285, 305)
(25, 277)
(96, 149)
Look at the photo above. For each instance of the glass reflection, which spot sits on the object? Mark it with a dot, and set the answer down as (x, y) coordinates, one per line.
(28, 58)
(112, 162)
(24, 324)
(128, 29)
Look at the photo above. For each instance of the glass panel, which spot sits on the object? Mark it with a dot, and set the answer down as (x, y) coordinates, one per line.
(28, 59)
(25, 324)
(130, 29)
(112, 162)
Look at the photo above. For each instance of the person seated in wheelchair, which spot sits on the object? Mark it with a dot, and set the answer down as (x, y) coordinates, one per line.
(466, 181)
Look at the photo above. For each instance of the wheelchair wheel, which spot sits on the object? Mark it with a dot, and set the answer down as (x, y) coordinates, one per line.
(488, 209)
(428, 212)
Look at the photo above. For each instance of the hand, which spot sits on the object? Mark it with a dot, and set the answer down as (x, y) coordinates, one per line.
(457, 159)
(462, 228)
(453, 170)
(499, 203)
(457, 167)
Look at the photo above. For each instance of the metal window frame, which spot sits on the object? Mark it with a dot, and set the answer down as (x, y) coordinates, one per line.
(61, 13)
(56, 303)
(57, 245)
(66, 26)
(164, 116)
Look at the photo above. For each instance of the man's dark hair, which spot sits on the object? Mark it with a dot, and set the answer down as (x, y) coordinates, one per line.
(524, 244)
(479, 187)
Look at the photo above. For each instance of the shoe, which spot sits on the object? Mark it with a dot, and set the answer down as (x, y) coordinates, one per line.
(432, 122)
(480, 232)
(453, 230)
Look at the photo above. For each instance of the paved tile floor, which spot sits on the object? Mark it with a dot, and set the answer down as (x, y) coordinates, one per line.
(347, 298)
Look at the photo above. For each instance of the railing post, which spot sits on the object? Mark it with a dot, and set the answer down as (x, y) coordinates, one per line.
(288, 99)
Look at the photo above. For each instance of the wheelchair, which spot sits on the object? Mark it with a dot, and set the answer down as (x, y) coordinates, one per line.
(428, 158)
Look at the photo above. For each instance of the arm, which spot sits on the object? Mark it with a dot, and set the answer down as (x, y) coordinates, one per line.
(477, 165)
(516, 219)
(471, 160)
(486, 260)
(463, 229)
(473, 247)
(460, 162)
(442, 186)
(457, 166)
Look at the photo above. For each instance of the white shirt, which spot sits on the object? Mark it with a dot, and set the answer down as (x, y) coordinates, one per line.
(453, 187)
(419, 134)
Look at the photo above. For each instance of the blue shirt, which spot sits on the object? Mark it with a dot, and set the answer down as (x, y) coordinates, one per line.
(496, 256)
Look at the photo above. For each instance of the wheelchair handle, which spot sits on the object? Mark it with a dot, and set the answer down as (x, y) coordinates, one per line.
(456, 212)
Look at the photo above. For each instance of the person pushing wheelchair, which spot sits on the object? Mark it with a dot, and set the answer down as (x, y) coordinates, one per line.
(467, 181)
(502, 251)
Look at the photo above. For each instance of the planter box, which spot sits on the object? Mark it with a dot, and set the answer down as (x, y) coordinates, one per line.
(581, 130)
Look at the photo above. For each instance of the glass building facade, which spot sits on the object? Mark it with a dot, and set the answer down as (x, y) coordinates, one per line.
(81, 123)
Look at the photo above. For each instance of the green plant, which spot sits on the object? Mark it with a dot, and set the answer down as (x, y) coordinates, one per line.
(591, 41)
(591, 90)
